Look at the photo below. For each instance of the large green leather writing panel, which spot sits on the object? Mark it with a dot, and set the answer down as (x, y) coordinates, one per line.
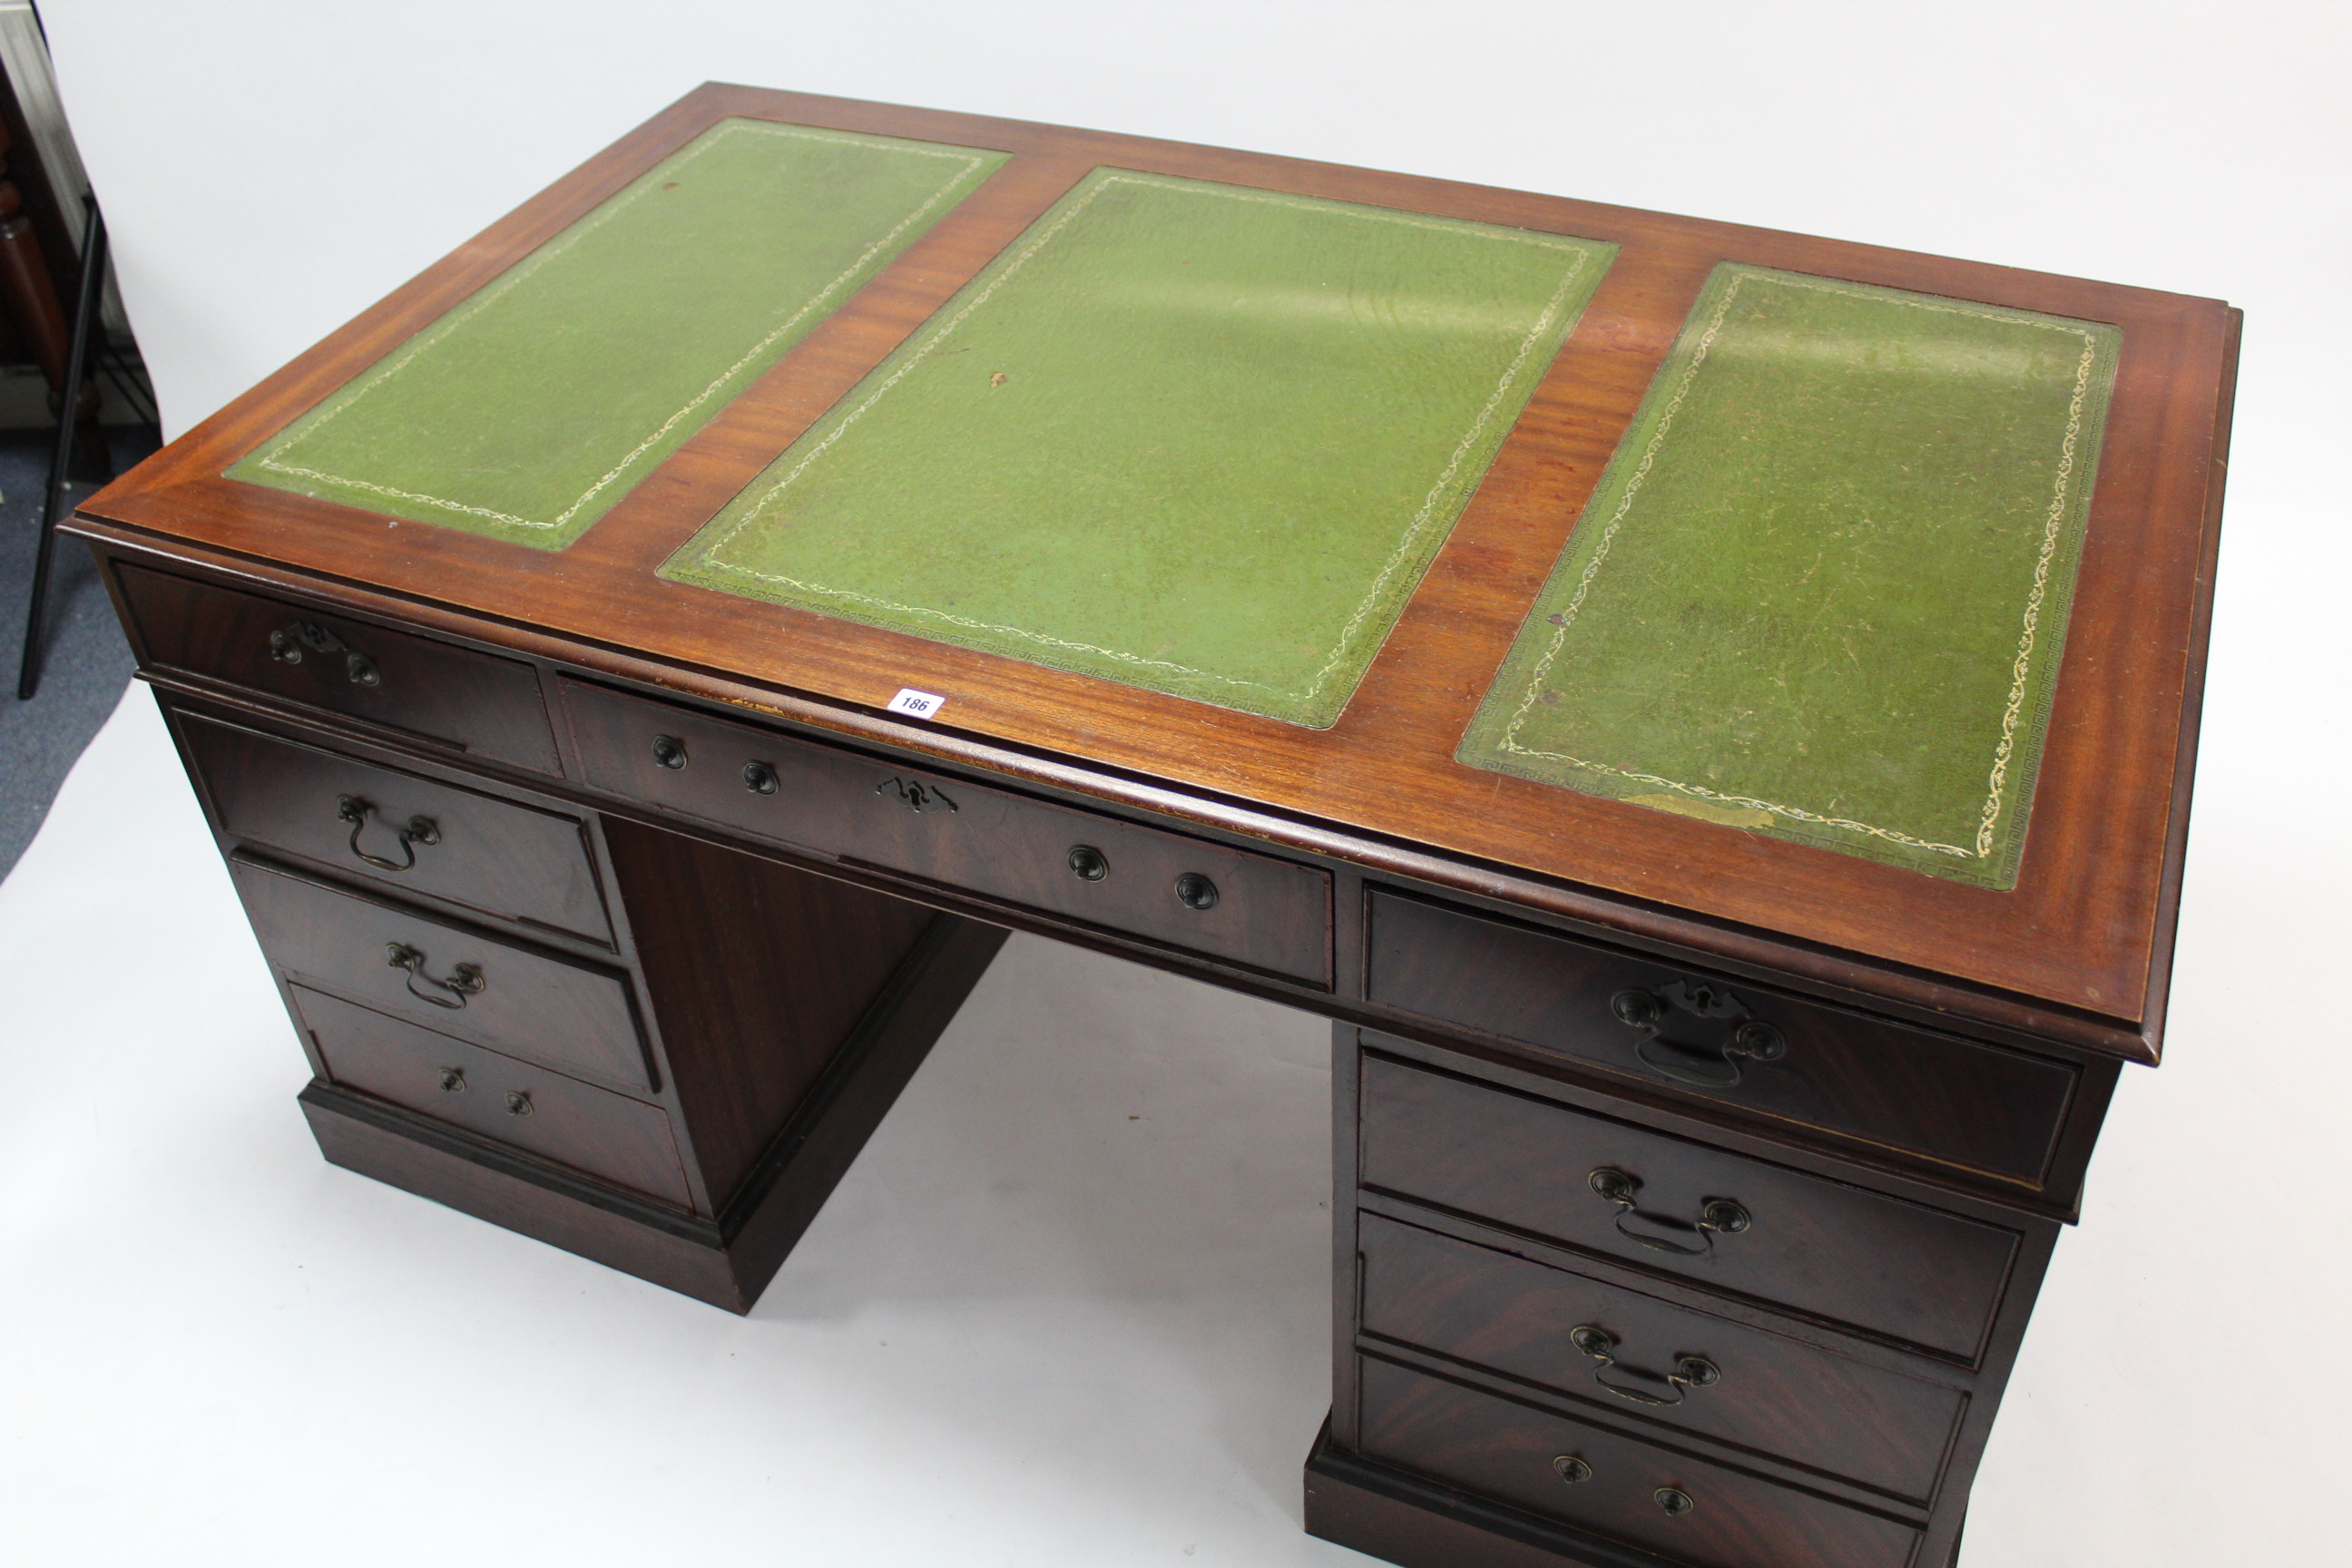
(1190, 437)
(1822, 591)
(531, 409)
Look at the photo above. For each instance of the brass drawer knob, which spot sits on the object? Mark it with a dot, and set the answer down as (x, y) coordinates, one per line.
(758, 778)
(1675, 1501)
(1090, 864)
(1195, 891)
(669, 752)
(1724, 1218)
(1571, 1469)
(517, 1103)
(453, 1080)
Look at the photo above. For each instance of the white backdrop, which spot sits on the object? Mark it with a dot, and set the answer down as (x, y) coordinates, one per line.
(1068, 1308)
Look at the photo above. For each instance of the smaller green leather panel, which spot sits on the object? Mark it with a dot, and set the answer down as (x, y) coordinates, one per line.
(1190, 436)
(533, 407)
(1822, 589)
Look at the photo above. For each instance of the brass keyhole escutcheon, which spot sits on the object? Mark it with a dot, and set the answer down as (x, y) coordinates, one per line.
(1089, 863)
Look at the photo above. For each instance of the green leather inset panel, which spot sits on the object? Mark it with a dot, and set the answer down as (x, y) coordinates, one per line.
(1822, 591)
(531, 408)
(1190, 436)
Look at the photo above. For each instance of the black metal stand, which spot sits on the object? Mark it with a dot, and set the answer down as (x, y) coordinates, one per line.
(85, 321)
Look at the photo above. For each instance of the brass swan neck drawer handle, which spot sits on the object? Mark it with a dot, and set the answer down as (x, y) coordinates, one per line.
(350, 809)
(1637, 1384)
(1664, 1233)
(1714, 1066)
(466, 980)
(286, 643)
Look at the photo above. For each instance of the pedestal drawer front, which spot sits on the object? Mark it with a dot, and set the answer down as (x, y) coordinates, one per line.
(1840, 1252)
(548, 1008)
(1612, 1484)
(1951, 1100)
(505, 860)
(1649, 1358)
(591, 1129)
(475, 702)
(1164, 887)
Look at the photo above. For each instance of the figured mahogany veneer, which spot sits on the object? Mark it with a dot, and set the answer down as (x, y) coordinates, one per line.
(539, 1004)
(1831, 1068)
(495, 856)
(591, 1129)
(1915, 1274)
(1771, 1395)
(409, 686)
(1266, 914)
(1722, 1517)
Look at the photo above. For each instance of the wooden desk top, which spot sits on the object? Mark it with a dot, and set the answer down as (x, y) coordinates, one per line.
(2068, 921)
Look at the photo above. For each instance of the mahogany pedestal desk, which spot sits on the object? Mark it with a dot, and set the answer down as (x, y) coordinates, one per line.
(1708, 713)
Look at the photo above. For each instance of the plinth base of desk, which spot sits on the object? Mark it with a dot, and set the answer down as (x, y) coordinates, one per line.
(418, 1155)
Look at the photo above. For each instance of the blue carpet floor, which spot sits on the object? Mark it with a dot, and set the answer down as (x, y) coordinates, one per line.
(86, 663)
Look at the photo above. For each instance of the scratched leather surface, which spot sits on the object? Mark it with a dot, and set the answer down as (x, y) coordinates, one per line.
(1180, 434)
(533, 406)
(1822, 591)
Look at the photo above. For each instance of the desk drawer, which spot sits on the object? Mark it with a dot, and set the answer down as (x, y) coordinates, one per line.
(1840, 1252)
(553, 1010)
(1251, 909)
(1724, 1518)
(1759, 1390)
(1954, 1100)
(504, 859)
(527, 1107)
(478, 702)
